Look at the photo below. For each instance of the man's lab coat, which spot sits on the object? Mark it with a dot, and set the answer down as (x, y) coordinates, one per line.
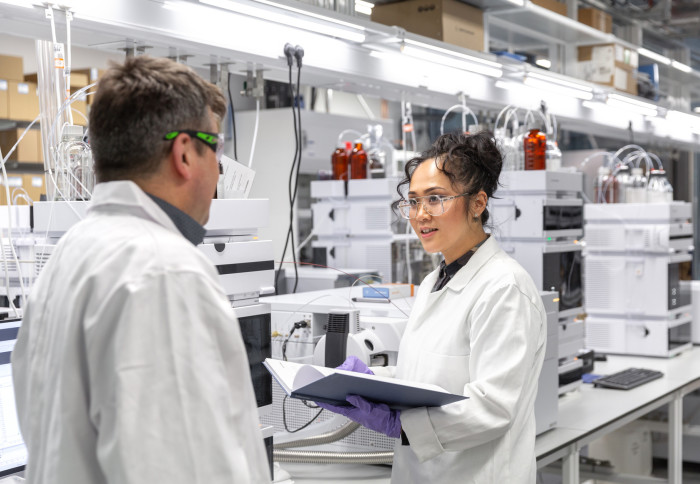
(483, 335)
(130, 366)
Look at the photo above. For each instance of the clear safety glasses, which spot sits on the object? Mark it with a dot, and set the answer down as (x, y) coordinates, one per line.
(212, 140)
(434, 205)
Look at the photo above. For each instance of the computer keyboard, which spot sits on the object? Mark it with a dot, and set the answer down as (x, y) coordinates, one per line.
(628, 379)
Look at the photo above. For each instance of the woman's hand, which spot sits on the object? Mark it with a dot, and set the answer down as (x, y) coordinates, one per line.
(375, 416)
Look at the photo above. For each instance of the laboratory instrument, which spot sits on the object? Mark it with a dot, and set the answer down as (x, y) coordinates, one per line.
(635, 250)
(538, 220)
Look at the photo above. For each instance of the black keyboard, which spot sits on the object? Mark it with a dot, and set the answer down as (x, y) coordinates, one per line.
(628, 379)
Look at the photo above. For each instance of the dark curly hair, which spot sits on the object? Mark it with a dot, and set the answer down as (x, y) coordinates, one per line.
(471, 162)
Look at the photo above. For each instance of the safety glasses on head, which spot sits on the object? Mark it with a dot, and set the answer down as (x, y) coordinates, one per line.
(434, 205)
(212, 140)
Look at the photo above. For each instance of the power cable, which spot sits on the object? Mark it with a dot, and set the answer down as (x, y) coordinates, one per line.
(291, 53)
(233, 117)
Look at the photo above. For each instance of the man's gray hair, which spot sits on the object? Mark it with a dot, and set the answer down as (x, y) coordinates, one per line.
(136, 104)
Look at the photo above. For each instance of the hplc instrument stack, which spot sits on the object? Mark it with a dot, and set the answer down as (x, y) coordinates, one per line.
(538, 219)
(635, 255)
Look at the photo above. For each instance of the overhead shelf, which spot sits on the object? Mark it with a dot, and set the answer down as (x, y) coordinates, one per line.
(215, 35)
(532, 24)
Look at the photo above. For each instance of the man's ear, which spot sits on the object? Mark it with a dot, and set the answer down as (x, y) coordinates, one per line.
(181, 156)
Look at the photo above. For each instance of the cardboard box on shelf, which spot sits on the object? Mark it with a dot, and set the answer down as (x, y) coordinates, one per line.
(23, 101)
(80, 105)
(32, 183)
(553, 5)
(13, 181)
(4, 98)
(27, 151)
(595, 18)
(609, 53)
(94, 74)
(610, 65)
(451, 21)
(77, 79)
(11, 68)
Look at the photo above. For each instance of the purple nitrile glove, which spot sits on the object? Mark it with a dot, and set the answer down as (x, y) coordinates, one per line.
(375, 416)
(353, 363)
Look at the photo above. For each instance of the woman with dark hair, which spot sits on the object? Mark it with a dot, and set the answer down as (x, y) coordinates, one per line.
(477, 328)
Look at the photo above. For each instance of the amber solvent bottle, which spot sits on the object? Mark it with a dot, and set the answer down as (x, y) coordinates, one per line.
(358, 163)
(535, 148)
(340, 162)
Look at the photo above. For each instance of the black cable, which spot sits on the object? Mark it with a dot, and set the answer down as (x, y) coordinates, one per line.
(291, 175)
(296, 180)
(233, 117)
(297, 325)
(284, 417)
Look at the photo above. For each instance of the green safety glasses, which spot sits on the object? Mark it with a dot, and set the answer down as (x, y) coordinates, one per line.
(212, 140)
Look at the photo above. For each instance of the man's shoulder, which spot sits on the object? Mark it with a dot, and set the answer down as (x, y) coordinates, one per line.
(130, 243)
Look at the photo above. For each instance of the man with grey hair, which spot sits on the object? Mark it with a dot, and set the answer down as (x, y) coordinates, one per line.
(130, 366)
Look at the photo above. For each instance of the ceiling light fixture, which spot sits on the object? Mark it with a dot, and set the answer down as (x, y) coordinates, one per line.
(450, 58)
(363, 7)
(684, 120)
(633, 105)
(559, 86)
(314, 22)
(661, 59)
(545, 63)
(681, 67)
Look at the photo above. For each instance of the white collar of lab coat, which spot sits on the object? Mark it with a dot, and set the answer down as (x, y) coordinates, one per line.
(125, 196)
(487, 250)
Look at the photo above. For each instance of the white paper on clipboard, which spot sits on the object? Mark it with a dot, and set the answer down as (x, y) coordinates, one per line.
(238, 178)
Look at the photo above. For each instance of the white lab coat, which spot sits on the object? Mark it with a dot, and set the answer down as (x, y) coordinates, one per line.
(130, 366)
(483, 336)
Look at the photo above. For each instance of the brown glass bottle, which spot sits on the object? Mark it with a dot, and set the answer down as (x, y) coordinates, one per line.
(340, 162)
(535, 147)
(358, 163)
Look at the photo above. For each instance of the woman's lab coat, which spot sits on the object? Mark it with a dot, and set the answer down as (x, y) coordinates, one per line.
(130, 366)
(483, 335)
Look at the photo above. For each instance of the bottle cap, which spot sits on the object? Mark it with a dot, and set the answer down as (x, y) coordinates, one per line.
(623, 168)
(637, 171)
(72, 131)
(348, 146)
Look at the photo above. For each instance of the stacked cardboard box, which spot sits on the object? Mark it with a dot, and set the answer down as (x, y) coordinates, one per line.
(32, 183)
(610, 65)
(78, 80)
(27, 151)
(18, 99)
(595, 18)
(553, 5)
(451, 21)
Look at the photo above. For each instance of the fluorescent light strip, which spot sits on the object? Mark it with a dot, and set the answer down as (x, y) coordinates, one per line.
(19, 3)
(633, 105)
(452, 53)
(654, 56)
(684, 120)
(355, 35)
(681, 67)
(560, 82)
(546, 63)
(363, 7)
(696, 110)
(456, 62)
(559, 88)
